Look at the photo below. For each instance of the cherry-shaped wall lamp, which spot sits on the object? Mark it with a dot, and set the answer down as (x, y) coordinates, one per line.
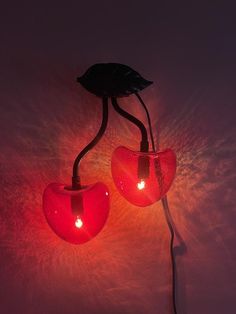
(78, 212)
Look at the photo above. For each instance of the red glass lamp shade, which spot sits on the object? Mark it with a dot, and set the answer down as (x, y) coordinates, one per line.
(76, 215)
(146, 186)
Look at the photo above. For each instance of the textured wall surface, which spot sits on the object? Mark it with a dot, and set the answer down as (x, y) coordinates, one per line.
(46, 118)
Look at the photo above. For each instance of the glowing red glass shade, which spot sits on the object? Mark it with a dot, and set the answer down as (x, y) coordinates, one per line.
(76, 216)
(143, 188)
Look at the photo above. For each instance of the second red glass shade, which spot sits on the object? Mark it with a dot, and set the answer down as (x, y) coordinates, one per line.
(146, 190)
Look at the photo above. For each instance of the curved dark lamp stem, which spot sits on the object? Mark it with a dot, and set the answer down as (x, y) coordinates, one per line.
(144, 143)
(149, 120)
(76, 179)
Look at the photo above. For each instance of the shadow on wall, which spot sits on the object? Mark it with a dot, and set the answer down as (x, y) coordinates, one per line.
(202, 132)
(126, 268)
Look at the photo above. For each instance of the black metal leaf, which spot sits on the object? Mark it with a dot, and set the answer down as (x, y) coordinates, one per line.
(112, 80)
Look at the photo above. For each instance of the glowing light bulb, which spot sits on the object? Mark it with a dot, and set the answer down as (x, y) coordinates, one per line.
(141, 185)
(80, 214)
(78, 223)
(127, 171)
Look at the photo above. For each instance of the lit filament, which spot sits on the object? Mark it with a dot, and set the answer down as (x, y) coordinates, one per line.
(141, 185)
(78, 223)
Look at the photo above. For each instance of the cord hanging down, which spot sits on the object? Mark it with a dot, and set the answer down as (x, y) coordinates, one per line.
(166, 212)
